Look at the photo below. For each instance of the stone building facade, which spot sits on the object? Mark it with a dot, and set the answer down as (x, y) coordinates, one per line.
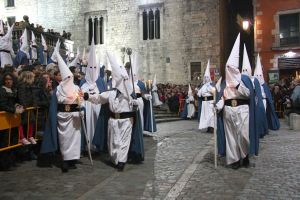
(189, 31)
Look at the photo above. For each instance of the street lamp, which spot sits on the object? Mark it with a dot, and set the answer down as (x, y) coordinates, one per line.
(246, 24)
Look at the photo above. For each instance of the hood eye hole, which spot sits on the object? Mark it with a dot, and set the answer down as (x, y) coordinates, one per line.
(69, 76)
(91, 67)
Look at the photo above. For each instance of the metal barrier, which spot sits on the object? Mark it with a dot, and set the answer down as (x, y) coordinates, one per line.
(10, 122)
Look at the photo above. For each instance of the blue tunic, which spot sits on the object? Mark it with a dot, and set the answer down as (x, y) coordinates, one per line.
(221, 141)
(184, 113)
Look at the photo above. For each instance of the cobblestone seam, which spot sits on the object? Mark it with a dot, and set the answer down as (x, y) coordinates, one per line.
(185, 177)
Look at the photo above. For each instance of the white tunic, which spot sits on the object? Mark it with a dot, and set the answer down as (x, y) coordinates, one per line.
(155, 99)
(5, 59)
(236, 124)
(207, 108)
(92, 112)
(119, 130)
(190, 107)
(69, 129)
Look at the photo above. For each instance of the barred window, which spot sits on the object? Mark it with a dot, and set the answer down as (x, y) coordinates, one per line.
(10, 3)
(151, 24)
(96, 28)
(289, 29)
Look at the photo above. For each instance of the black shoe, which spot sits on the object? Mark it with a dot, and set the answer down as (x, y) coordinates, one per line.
(65, 167)
(210, 130)
(71, 164)
(246, 162)
(235, 165)
(120, 166)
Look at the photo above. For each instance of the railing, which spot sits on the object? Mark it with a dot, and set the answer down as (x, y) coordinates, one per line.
(284, 40)
(51, 38)
(10, 125)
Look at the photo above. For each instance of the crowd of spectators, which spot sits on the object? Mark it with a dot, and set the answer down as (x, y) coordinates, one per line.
(282, 91)
(29, 86)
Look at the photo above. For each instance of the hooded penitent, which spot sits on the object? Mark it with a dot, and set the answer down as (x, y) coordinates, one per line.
(66, 86)
(84, 58)
(6, 52)
(154, 87)
(54, 55)
(246, 68)
(233, 75)
(92, 70)
(24, 43)
(75, 60)
(33, 47)
(206, 77)
(258, 72)
(120, 77)
(44, 52)
(190, 92)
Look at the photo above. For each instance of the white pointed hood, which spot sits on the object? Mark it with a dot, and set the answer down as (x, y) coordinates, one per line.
(135, 63)
(246, 68)
(24, 46)
(33, 40)
(154, 87)
(6, 40)
(258, 72)
(84, 57)
(232, 72)
(190, 92)
(33, 46)
(1, 28)
(75, 60)
(206, 77)
(56, 48)
(67, 86)
(6, 44)
(44, 43)
(92, 70)
(120, 77)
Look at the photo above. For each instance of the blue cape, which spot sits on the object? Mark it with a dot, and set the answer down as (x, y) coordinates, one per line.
(100, 84)
(221, 140)
(50, 137)
(253, 134)
(147, 116)
(41, 55)
(21, 59)
(142, 86)
(260, 119)
(273, 121)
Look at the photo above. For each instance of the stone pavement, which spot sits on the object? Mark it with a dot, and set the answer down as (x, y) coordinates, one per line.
(178, 165)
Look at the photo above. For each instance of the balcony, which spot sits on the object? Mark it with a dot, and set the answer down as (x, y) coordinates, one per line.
(286, 41)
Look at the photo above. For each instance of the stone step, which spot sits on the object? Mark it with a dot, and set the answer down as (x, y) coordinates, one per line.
(163, 120)
(160, 111)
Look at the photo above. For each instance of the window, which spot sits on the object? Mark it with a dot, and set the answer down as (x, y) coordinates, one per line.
(96, 28)
(11, 20)
(289, 29)
(151, 24)
(196, 71)
(10, 3)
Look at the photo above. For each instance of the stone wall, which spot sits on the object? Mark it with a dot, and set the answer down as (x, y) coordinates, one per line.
(189, 31)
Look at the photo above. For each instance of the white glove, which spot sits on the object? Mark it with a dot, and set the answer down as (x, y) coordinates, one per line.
(134, 102)
(148, 96)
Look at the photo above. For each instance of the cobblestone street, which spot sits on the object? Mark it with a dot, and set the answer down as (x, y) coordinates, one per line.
(178, 165)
